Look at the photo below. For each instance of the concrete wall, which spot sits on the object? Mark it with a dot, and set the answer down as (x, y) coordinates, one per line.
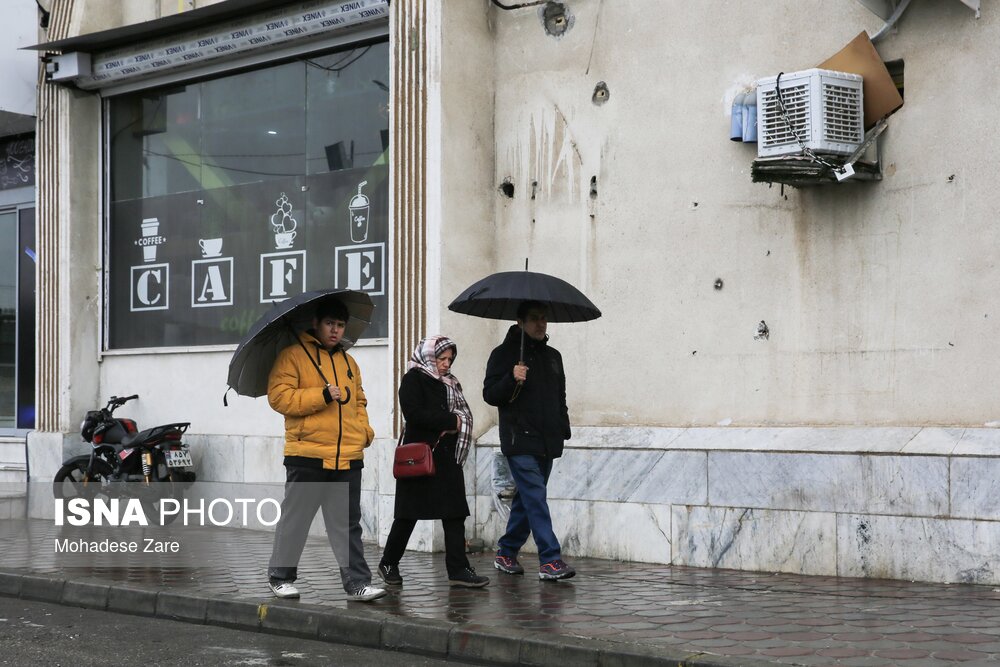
(878, 297)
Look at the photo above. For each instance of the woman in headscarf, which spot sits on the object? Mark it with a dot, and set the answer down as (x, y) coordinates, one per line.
(435, 412)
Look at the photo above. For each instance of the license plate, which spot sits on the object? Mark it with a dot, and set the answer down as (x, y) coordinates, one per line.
(178, 458)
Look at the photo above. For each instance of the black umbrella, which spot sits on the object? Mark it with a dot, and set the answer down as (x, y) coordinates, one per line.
(498, 296)
(279, 327)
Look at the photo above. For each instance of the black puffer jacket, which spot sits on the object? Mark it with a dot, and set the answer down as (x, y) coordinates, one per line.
(533, 419)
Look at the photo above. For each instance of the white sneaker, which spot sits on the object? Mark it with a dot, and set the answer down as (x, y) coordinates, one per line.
(283, 589)
(366, 593)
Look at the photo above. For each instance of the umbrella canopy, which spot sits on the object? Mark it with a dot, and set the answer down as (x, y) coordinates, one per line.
(498, 296)
(279, 327)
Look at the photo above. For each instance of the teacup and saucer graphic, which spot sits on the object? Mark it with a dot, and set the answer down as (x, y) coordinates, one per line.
(210, 247)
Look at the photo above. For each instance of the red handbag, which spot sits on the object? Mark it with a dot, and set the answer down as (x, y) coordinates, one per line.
(414, 459)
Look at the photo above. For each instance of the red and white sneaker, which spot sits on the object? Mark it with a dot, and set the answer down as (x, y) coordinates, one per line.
(508, 564)
(556, 569)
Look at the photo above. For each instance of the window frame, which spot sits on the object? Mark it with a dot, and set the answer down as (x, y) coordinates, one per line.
(14, 201)
(354, 38)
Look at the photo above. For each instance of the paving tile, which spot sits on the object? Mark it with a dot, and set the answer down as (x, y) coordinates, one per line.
(901, 653)
(957, 655)
(677, 611)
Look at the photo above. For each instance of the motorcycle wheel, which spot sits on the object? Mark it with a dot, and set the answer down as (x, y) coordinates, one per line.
(74, 480)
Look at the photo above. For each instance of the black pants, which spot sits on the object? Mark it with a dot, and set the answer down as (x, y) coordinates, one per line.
(454, 543)
(306, 491)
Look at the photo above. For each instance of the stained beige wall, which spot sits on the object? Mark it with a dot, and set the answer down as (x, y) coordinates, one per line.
(460, 217)
(879, 297)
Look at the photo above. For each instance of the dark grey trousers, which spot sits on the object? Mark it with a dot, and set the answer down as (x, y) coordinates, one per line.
(338, 493)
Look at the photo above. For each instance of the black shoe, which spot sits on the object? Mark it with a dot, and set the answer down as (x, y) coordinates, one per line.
(467, 577)
(390, 574)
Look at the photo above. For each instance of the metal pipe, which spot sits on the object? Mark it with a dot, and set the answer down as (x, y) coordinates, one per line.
(891, 21)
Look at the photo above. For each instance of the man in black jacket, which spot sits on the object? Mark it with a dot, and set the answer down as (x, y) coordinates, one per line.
(534, 422)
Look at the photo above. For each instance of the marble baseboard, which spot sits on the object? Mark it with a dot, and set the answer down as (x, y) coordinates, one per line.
(749, 539)
(978, 441)
(975, 488)
(618, 531)
(615, 475)
(902, 502)
(263, 460)
(46, 453)
(874, 484)
(918, 549)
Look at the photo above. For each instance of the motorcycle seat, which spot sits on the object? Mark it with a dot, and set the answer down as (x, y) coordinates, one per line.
(154, 435)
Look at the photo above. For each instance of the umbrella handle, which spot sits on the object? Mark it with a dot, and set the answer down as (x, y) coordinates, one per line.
(347, 398)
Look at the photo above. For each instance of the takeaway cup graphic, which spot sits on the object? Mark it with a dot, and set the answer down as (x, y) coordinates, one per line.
(359, 215)
(282, 223)
(210, 247)
(150, 239)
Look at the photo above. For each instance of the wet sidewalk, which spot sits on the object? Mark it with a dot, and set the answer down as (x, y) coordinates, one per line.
(611, 613)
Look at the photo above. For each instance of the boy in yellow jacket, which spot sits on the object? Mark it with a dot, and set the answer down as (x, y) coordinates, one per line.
(316, 385)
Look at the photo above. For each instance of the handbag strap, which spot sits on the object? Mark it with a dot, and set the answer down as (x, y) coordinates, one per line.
(403, 431)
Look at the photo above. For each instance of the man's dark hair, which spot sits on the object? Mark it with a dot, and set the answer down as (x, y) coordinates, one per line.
(522, 310)
(332, 307)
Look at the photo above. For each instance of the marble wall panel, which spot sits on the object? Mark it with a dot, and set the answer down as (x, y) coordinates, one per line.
(905, 485)
(369, 515)
(217, 458)
(918, 549)
(798, 439)
(616, 475)
(748, 539)
(377, 473)
(46, 453)
(623, 437)
(263, 459)
(618, 531)
(975, 488)
(607, 437)
(484, 469)
(932, 440)
(490, 524)
(383, 518)
(623, 475)
(979, 442)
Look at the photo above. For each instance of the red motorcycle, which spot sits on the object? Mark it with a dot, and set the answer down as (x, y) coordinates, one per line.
(122, 453)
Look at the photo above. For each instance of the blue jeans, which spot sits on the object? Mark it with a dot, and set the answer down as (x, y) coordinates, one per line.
(529, 511)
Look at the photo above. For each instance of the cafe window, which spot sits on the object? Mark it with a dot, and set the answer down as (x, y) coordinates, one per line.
(230, 194)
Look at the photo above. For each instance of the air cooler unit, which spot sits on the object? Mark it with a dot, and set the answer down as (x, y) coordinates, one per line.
(824, 112)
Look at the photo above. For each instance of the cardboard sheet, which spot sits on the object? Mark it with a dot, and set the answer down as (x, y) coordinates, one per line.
(860, 57)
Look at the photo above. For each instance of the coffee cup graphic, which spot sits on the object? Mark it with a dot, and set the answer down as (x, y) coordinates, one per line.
(284, 239)
(150, 230)
(359, 215)
(210, 247)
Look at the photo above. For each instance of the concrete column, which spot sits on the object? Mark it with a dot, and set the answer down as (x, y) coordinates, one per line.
(68, 304)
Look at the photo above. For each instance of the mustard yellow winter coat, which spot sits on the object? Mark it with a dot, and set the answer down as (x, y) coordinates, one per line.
(335, 432)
